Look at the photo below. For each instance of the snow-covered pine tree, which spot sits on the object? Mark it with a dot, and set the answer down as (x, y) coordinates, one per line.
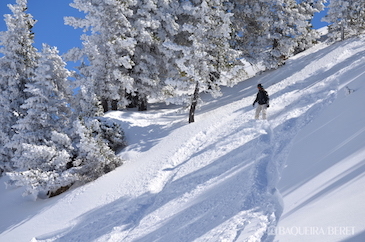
(154, 23)
(93, 156)
(337, 17)
(85, 102)
(308, 36)
(53, 152)
(107, 48)
(282, 31)
(201, 48)
(16, 70)
(267, 32)
(249, 28)
(50, 169)
(357, 16)
(42, 150)
(46, 107)
(346, 18)
(289, 29)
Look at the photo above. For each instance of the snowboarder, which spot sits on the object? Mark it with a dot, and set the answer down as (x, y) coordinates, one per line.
(262, 99)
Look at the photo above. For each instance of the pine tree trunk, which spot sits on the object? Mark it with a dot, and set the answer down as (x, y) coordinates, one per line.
(114, 105)
(142, 103)
(194, 103)
(133, 100)
(104, 103)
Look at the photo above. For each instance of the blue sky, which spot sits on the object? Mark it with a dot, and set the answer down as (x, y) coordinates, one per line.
(50, 27)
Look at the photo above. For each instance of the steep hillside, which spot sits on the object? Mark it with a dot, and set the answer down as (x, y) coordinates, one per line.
(218, 179)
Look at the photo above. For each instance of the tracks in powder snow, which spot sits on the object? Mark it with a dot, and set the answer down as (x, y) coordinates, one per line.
(214, 139)
(211, 170)
(220, 181)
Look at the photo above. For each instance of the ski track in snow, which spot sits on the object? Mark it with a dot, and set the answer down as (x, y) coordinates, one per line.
(205, 172)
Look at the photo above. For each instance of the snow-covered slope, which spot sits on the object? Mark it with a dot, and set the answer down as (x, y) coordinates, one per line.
(218, 179)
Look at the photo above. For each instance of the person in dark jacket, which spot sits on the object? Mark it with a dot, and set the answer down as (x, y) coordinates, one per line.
(262, 98)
